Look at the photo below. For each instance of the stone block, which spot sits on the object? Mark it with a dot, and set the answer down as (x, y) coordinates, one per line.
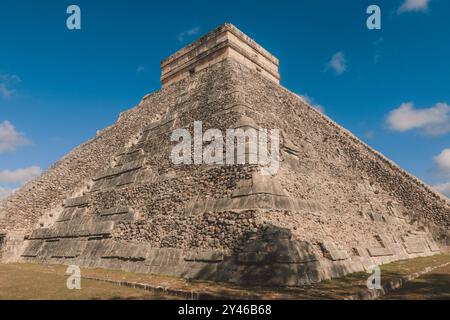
(276, 233)
(223, 205)
(119, 170)
(67, 249)
(101, 228)
(146, 176)
(250, 257)
(132, 155)
(432, 244)
(33, 248)
(48, 248)
(126, 178)
(97, 186)
(264, 201)
(155, 258)
(331, 252)
(118, 214)
(305, 252)
(204, 256)
(43, 233)
(379, 252)
(415, 246)
(283, 203)
(115, 211)
(66, 215)
(241, 192)
(77, 202)
(126, 251)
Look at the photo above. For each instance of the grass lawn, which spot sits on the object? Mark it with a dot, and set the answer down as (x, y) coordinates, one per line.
(435, 286)
(48, 282)
(35, 281)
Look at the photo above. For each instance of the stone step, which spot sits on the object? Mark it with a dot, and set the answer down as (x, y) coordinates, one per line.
(77, 202)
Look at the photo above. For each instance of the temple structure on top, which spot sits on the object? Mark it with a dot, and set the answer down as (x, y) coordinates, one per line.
(225, 42)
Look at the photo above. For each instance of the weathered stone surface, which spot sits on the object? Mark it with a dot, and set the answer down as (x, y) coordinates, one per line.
(33, 248)
(74, 228)
(122, 169)
(118, 214)
(379, 252)
(330, 186)
(432, 244)
(223, 43)
(204, 256)
(331, 252)
(77, 202)
(414, 244)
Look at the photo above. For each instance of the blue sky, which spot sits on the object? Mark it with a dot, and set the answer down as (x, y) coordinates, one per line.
(391, 87)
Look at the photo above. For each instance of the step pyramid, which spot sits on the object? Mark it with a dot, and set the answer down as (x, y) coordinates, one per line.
(334, 206)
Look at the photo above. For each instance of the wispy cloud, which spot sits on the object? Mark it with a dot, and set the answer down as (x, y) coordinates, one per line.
(4, 192)
(443, 188)
(188, 33)
(6, 82)
(20, 175)
(310, 101)
(377, 42)
(10, 78)
(431, 121)
(10, 138)
(369, 134)
(338, 63)
(4, 91)
(413, 5)
(17, 178)
(140, 68)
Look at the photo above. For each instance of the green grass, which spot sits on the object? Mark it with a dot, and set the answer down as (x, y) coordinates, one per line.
(355, 282)
(35, 281)
(45, 282)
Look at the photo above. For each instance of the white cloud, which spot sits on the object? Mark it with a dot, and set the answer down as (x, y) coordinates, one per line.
(432, 121)
(414, 5)
(20, 175)
(188, 33)
(4, 192)
(443, 162)
(338, 63)
(443, 188)
(443, 171)
(10, 139)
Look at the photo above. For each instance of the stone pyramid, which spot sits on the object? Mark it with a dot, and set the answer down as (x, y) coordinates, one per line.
(335, 205)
